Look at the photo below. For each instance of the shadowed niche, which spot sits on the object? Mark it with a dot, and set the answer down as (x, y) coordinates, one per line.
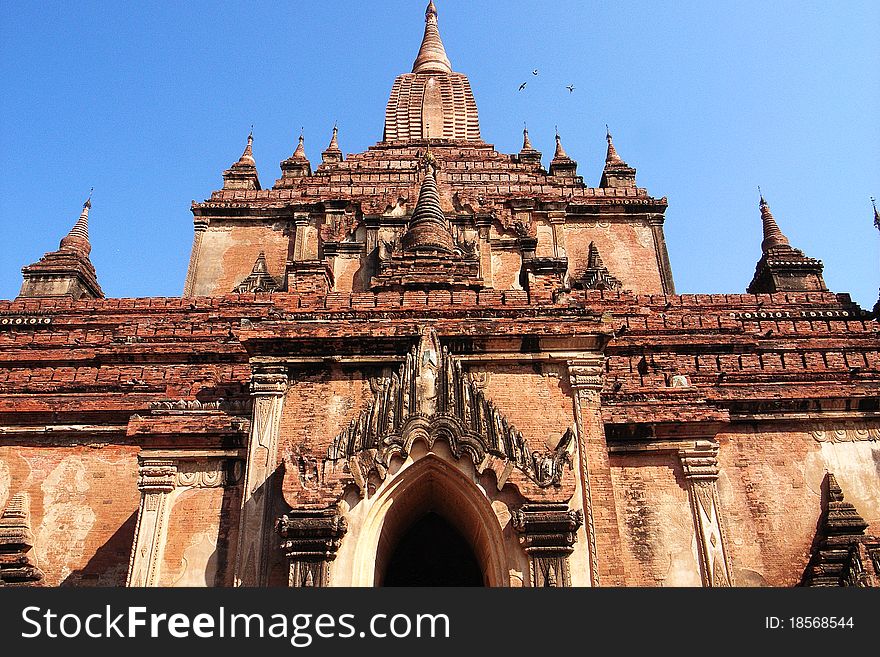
(433, 553)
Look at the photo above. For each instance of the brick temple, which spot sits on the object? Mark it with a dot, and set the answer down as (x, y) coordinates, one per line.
(432, 363)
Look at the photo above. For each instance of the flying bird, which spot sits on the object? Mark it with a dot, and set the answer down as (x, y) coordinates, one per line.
(570, 88)
(523, 86)
(535, 72)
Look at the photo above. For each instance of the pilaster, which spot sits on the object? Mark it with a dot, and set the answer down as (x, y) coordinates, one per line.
(603, 533)
(162, 476)
(268, 385)
(700, 465)
(199, 228)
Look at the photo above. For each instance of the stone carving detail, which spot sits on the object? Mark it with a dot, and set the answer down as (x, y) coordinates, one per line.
(700, 466)
(849, 432)
(213, 473)
(310, 541)
(233, 406)
(596, 276)
(17, 568)
(841, 550)
(548, 534)
(431, 397)
(259, 280)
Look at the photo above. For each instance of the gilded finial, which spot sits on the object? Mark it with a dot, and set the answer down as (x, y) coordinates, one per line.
(88, 202)
(876, 213)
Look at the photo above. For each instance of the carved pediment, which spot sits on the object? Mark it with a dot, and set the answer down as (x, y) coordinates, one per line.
(432, 398)
(259, 280)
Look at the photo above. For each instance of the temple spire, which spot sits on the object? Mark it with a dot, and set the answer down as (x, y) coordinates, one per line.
(432, 55)
(247, 157)
(295, 168)
(612, 157)
(560, 150)
(876, 213)
(333, 153)
(67, 272)
(428, 229)
(243, 174)
(78, 237)
(782, 268)
(773, 235)
(562, 165)
(300, 152)
(616, 173)
(527, 143)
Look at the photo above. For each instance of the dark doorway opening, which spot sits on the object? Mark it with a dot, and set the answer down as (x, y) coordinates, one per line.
(433, 553)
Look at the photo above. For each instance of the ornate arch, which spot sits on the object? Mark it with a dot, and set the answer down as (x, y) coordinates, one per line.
(431, 398)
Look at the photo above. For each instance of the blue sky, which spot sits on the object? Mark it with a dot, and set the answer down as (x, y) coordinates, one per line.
(150, 102)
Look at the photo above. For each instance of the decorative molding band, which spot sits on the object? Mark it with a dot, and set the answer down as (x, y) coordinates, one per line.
(850, 432)
(231, 406)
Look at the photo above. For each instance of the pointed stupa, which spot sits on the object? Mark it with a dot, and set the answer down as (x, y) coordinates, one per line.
(560, 149)
(527, 143)
(616, 173)
(562, 165)
(428, 229)
(247, 157)
(529, 153)
(333, 152)
(67, 272)
(782, 268)
(773, 235)
(432, 55)
(294, 168)
(431, 102)
(78, 237)
(612, 157)
(300, 152)
(243, 174)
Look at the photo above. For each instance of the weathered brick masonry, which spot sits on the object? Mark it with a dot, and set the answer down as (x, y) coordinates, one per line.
(433, 327)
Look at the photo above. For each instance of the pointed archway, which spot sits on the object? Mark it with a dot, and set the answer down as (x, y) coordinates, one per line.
(433, 553)
(431, 486)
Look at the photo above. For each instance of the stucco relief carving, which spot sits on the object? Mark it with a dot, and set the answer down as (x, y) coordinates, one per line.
(431, 398)
(848, 432)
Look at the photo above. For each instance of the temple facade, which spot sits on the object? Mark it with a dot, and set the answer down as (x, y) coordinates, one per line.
(432, 363)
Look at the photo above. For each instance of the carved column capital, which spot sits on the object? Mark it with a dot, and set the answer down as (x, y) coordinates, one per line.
(269, 380)
(700, 461)
(587, 373)
(156, 475)
(548, 534)
(311, 539)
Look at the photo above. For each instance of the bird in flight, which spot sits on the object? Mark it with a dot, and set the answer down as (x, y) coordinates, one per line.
(535, 72)
(523, 86)
(570, 88)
